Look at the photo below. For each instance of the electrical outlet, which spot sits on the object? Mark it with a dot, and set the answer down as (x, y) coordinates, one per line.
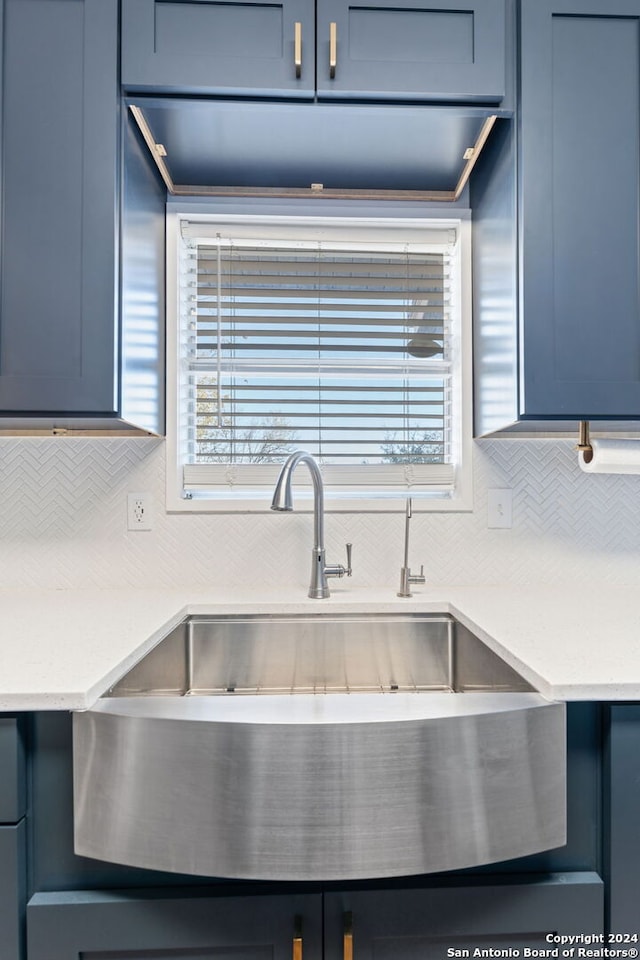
(139, 511)
(499, 509)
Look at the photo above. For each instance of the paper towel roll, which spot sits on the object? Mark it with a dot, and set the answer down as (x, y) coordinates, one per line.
(612, 456)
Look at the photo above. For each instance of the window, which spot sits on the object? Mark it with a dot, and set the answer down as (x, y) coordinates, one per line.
(343, 337)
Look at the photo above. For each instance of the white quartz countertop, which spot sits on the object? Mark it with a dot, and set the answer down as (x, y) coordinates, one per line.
(61, 649)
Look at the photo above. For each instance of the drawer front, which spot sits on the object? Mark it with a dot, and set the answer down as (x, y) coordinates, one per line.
(12, 771)
(466, 920)
(113, 925)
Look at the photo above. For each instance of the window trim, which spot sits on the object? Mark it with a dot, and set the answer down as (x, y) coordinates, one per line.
(461, 498)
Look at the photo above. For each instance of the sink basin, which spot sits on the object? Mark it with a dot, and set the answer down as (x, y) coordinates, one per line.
(319, 747)
(207, 656)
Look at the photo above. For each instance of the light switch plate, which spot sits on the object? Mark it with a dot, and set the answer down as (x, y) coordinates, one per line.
(499, 509)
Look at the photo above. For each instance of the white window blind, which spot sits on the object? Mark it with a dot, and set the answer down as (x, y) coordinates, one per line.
(342, 348)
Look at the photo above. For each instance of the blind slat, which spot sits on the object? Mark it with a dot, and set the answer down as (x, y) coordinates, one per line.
(269, 309)
(207, 476)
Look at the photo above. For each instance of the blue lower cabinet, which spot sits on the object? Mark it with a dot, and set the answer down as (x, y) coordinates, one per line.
(622, 800)
(399, 924)
(122, 925)
(12, 891)
(103, 911)
(12, 770)
(454, 921)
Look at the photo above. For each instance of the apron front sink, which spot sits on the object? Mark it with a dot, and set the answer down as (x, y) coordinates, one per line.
(319, 748)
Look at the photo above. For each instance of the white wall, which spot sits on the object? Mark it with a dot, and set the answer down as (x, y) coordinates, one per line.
(63, 524)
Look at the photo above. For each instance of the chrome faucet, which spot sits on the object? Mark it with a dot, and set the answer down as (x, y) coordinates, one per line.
(282, 500)
(406, 577)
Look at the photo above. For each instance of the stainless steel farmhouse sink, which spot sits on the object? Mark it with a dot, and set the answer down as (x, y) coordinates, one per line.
(319, 747)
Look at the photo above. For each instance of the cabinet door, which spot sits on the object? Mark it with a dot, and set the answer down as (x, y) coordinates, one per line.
(113, 926)
(452, 51)
(214, 46)
(12, 771)
(12, 891)
(59, 225)
(426, 924)
(580, 198)
(622, 841)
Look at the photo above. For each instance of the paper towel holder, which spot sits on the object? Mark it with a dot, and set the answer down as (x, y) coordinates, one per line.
(584, 446)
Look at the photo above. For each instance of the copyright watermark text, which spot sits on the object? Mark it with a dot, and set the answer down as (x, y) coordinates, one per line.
(579, 946)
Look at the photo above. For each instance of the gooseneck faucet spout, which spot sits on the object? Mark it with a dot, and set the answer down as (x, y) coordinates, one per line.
(283, 500)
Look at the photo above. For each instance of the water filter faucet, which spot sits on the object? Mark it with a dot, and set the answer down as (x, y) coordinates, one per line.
(406, 577)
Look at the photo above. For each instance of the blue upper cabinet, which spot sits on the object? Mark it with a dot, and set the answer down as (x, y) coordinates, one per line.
(71, 349)
(59, 239)
(452, 51)
(556, 207)
(214, 46)
(580, 207)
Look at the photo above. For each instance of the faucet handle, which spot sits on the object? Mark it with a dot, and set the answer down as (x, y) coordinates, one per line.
(348, 571)
(336, 569)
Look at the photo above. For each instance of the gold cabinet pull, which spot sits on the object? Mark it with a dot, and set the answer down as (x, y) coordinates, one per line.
(297, 938)
(297, 48)
(347, 936)
(333, 49)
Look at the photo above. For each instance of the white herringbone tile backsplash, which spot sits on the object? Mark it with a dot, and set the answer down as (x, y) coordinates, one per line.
(63, 523)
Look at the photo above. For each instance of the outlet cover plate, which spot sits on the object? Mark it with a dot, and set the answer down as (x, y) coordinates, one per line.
(139, 511)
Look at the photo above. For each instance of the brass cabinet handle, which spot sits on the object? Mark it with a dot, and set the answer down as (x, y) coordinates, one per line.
(347, 936)
(297, 938)
(297, 48)
(333, 49)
